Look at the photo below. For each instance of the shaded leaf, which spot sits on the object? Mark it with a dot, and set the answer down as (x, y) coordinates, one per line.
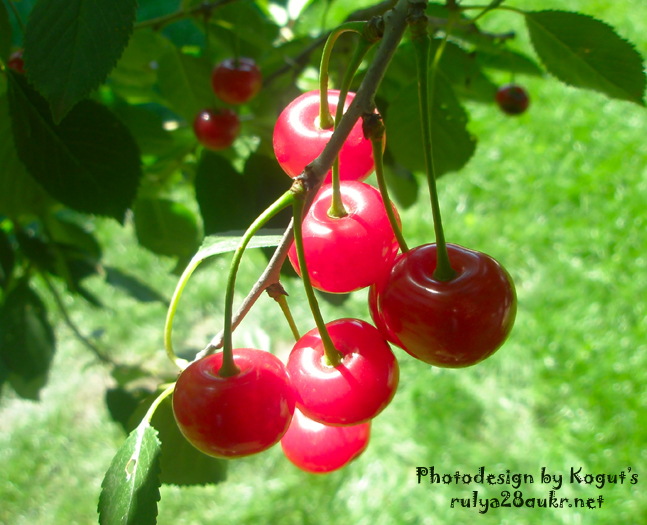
(70, 47)
(5, 33)
(7, 259)
(89, 162)
(122, 404)
(508, 60)
(166, 227)
(587, 53)
(130, 488)
(124, 374)
(27, 341)
(223, 194)
(267, 182)
(402, 184)
(185, 83)
(146, 127)
(133, 286)
(452, 143)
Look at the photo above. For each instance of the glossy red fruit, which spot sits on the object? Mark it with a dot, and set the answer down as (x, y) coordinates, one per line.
(298, 139)
(352, 252)
(236, 83)
(16, 63)
(318, 448)
(512, 99)
(451, 324)
(353, 392)
(231, 417)
(216, 129)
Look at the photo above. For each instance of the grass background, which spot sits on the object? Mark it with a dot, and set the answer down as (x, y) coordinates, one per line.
(558, 197)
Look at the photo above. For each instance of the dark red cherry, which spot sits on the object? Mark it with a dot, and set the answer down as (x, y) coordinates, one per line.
(216, 129)
(236, 83)
(512, 99)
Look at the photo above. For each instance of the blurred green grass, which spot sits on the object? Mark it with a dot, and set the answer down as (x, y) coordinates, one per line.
(557, 196)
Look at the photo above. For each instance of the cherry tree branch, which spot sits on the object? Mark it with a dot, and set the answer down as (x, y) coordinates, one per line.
(395, 24)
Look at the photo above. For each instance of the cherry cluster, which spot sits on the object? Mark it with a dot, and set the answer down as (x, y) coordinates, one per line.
(234, 81)
(321, 403)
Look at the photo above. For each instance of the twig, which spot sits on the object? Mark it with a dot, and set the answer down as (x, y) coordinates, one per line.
(314, 173)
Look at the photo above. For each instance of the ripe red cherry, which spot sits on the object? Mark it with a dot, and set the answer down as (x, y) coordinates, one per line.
(353, 392)
(16, 63)
(318, 448)
(453, 323)
(216, 129)
(512, 99)
(298, 139)
(236, 83)
(231, 417)
(352, 252)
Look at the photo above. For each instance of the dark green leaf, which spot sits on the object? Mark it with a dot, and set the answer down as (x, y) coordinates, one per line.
(7, 259)
(130, 489)
(508, 60)
(225, 199)
(214, 245)
(166, 227)
(122, 404)
(185, 82)
(26, 340)
(5, 33)
(134, 287)
(452, 144)
(66, 228)
(587, 53)
(136, 71)
(39, 252)
(146, 126)
(20, 194)
(402, 184)
(70, 47)
(268, 182)
(124, 374)
(89, 162)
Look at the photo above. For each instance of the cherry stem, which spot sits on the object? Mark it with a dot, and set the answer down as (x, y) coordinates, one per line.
(377, 141)
(337, 209)
(421, 43)
(158, 400)
(278, 293)
(228, 367)
(325, 119)
(333, 356)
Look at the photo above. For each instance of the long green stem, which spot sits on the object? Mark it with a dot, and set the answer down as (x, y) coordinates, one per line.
(337, 209)
(422, 42)
(151, 410)
(325, 119)
(333, 355)
(229, 368)
(378, 144)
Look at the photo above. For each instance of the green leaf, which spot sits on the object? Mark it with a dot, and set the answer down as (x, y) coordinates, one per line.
(5, 33)
(452, 144)
(20, 194)
(130, 488)
(27, 341)
(216, 244)
(223, 194)
(123, 403)
(508, 60)
(402, 184)
(267, 182)
(89, 161)
(136, 72)
(7, 259)
(134, 287)
(70, 47)
(185, 82)
(166, 227)
(146, 126)
(587, 53)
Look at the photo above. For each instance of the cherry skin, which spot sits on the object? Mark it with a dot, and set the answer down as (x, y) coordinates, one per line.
(356, 390)
(298, 139)
(231, 417)
(16, 63)
(236, 83)
(454, 323)
(512, 99)
(216, 129)
(318, 448)
(348, 253)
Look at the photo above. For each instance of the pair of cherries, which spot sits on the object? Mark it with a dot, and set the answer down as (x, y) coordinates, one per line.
(234, 82)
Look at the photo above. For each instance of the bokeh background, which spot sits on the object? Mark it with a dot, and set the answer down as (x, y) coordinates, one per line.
(557, 195)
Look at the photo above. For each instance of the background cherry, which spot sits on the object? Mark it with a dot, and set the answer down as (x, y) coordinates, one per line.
(512, 99)
(355, 391)
(216, 129)
(235, 416)
(348, 253)
(453, 323)
(318, 448)
(236, 83)
(298, 140)
(15, 62)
